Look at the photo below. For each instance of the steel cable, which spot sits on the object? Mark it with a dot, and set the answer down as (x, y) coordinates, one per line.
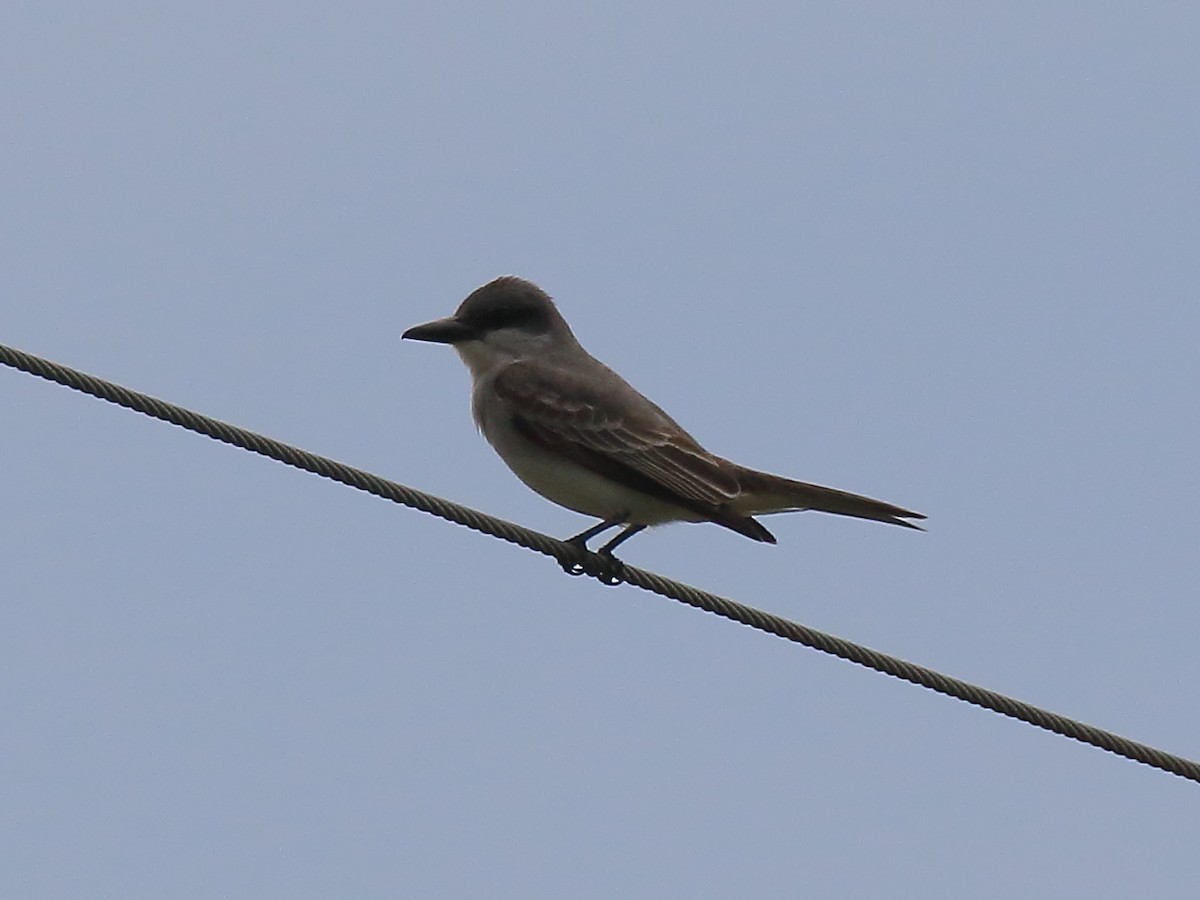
(572, 557)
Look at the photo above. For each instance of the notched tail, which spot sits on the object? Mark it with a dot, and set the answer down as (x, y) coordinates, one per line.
(772, 493)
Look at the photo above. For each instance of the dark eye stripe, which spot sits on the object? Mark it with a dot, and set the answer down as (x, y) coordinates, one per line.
(506, 317)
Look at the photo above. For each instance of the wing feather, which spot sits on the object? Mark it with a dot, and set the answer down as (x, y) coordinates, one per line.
(584, 419)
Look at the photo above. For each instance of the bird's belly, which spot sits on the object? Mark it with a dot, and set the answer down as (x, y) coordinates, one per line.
(571, 485)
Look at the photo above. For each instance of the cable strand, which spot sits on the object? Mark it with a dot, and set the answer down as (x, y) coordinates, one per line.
(568, 555)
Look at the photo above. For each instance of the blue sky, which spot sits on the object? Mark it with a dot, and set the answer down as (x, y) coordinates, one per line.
(941, 255)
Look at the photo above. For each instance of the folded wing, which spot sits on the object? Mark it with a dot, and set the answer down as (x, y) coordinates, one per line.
(609, 428)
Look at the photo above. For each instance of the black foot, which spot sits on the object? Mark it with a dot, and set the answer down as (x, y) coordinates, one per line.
(602, 566)
(612, 570)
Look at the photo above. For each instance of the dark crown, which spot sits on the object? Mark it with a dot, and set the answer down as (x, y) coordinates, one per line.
(508, 302)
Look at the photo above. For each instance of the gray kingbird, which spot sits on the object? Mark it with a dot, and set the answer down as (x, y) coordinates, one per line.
(575, 432)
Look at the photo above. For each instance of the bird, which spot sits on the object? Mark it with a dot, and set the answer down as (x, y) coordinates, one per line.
(578, 434)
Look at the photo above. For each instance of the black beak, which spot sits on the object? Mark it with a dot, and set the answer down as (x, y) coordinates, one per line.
(441, 331)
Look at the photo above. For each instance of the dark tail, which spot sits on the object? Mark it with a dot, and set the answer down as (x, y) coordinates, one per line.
(770, 493)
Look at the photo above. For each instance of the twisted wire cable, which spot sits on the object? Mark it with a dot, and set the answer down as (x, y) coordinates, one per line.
(578, 560)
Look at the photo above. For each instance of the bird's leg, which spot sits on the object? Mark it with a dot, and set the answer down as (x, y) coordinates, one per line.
(612, 569)
(607, 574)
(584, 536)
(630, 531)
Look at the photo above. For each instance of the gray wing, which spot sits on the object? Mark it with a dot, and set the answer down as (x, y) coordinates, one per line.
(605, 425)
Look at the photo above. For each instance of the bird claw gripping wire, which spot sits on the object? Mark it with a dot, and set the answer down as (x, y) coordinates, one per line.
(604, 567)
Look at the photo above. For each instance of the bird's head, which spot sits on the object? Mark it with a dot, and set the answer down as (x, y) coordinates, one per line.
(506, 319)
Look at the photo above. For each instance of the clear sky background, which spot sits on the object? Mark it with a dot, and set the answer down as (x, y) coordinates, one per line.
(942, 255)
